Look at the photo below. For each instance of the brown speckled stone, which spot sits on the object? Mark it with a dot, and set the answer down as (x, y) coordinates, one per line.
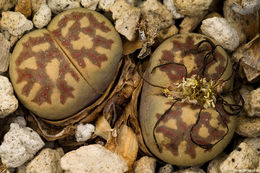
(24, 7)
(58, 71)
(205, 125)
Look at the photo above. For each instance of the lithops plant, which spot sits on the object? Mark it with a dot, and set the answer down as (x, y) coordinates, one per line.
(58, 71)
(186, 102)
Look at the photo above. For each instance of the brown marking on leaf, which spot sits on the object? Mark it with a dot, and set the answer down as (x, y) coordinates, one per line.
(176, 136)
(73, 35)
(175, 72)
(32, 76)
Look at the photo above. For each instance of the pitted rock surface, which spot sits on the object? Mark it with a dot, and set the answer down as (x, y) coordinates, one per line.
(59, 70)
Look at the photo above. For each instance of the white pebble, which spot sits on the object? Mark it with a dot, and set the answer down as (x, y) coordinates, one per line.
(42, 16)
(48, 161)
(219, 29)
(84, 132)
(93, 158)
(15, 23)
(58, 6)
(20, 144)
(90, 4)
(8, 102)
(19, 120)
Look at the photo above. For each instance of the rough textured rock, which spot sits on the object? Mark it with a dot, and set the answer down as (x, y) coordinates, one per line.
(58, 6)
(246, 7)
(252, 101)
(5, 5)
(106, 4)
(145, 165)
(190, 170)
(20, 144)
(171, 7)
(42, 17)
(214, 165)
(92, 158)
(4, 53)
(15, 23)
(90, 4)
(192, 7)
(8, 102)
(127, 18)
(84, 132)
(36, 4)
(246, 25)
(242, 158)
(248, 126)
(219, 29)
(168, 168)
(24, 7)
(48, 160)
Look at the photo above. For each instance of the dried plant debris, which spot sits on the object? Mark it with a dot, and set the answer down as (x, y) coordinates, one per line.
(249, 56)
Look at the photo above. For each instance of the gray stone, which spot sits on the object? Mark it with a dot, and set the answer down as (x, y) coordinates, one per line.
(168, 168)
(214, 165)
(58, 6)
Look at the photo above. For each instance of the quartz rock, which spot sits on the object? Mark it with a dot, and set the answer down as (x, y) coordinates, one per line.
(4, 53)
(15, 23)
(8, 102)
(127, 18)
(219, 29)
(192, 7)
(58, 6)
(48, 160)
(242, 158)
(84, 132)
(145, 165)
(90, 4)
(19, 145)
(42, 16)
(92, 158)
